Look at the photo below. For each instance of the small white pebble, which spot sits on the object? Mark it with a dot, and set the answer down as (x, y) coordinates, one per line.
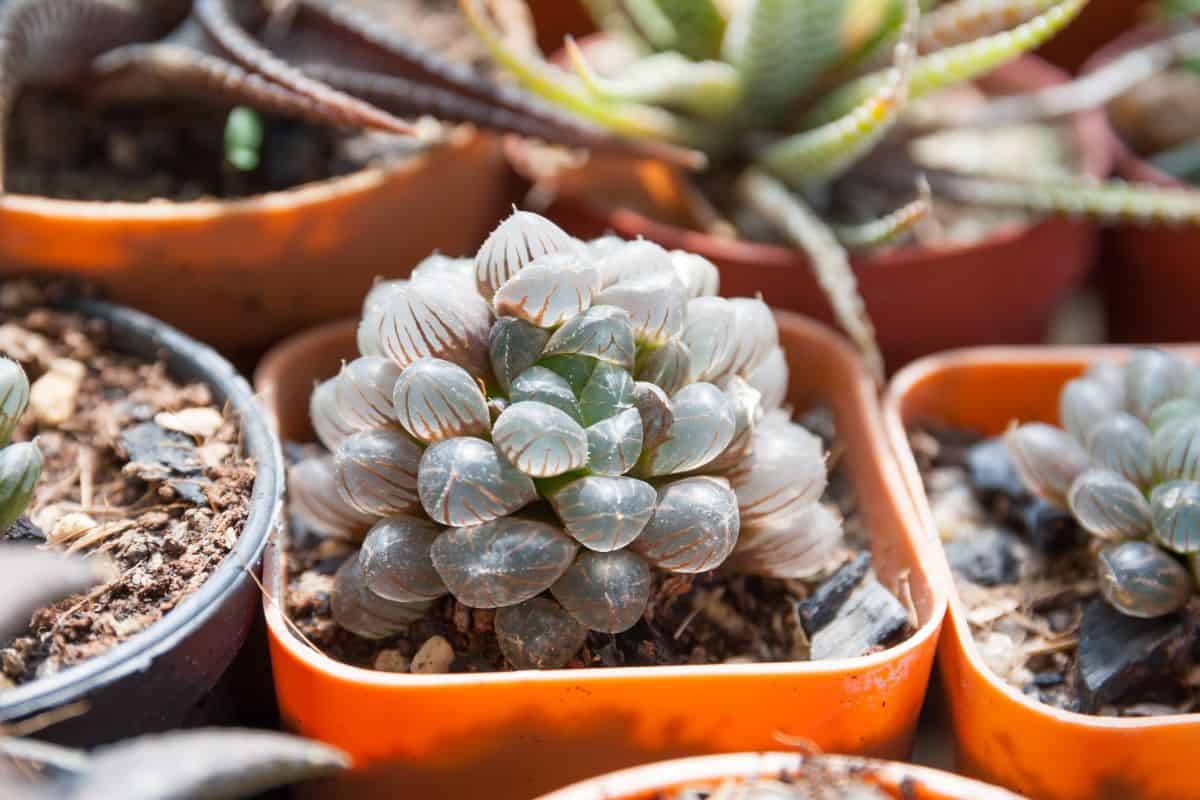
(434, 657)
(391, 661)
(70, 527)
(53, 396)
(200, 423)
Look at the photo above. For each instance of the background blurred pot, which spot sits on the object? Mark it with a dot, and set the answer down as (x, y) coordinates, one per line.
(1099, 23)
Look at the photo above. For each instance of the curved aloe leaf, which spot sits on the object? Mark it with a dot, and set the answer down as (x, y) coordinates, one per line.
(888, 228)
(964, 21)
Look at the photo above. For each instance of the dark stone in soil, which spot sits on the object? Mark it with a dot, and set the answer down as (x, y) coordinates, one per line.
(819, 609)
(152, 445)
(870, 617)
(1048, 678)
(988, 558)
(1118, 653)
(23, 530)
(1051, 529)
(992, 473)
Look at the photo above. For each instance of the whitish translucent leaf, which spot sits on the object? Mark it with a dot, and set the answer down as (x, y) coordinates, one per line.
(694, 527)
(538, 634)
(34, 578)
(503, 562)
(747, 405)
(1175, 507)
(602, 247)
(377, 472)
(326, 417)
(14, 397)
(540, 440)
(755, 333)
(364, 613)
(313, 496)
(1108, 505)
(1140, 580)
(418, 320)
(655, 304)
(1152, 377)
(438, 268)
(1121, 443)
(395, 561)
(549, 290)
(654, 409)
(545, 386)
(666, 366)
(515, 345)
(607, 592)
(703, 426)
(1047, 459)
(784, 471)
(1111, 375)
(710, 338)
(700, 276)
(377, 297)
(435, 400)
(465, 481)
(770, 378)
(633, 261)
(608, 392)
(1176, 450)
(602, 332)
(364, 392)
(1085, 401)
(796, 545)
(614, 444)
(604, 513)
(1179, 408)
(515, 243)
(20, 468)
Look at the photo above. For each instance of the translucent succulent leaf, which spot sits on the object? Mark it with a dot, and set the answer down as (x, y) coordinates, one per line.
(466, 481)
(439, 268)
(326, 417)
(710, 338)
(20, 468)
(517, 241)
(1083, 402)
(1152, 377)
(419, 320)
(364, 613)
(798, 545)
(395, 561)
(700, 276)
(604, 333)
(1140, 580)
(694, 527)
(748, 411)
(1179, 408)
(784, 471)
(755, 333)
(377, 297)
(607, 592)
(575, 370)
(632, 260)
(538, 634)
(435, 400)
(608, 392)
(1176, 450)
(770, 378)
(654, 410)
(1175, 507)
(1047, 459)
(549, 290)
(377, 472)
(540, 440)
(363, 392)
(1108, 505)
(604, 513)
(503, 562)
(515, 345)
(313, 496)
(614, 444)
(667, 366)
(655, 304)
(1111, 375)
(703, 426)
(14, 397)
(545, 386)
(1121, 443)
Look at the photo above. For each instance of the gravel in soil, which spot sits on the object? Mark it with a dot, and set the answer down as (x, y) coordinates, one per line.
(140, 470)
(1025, 573)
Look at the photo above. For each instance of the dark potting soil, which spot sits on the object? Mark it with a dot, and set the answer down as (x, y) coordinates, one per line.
(710, 618)
(140, 470)
(1025, 572)
(816, 782)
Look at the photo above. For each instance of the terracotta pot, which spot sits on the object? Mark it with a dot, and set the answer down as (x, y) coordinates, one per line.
(1002, 288)
(1151, 284)
(902, 781)
(1000, 734)
(516, 734)
(153, 680)
(1099, 23)
(555, 19)
(242, 273)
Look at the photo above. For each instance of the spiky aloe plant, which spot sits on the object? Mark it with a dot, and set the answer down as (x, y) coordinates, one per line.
(21, 463)
(790, 96)
(1127, 466)
(539, 429)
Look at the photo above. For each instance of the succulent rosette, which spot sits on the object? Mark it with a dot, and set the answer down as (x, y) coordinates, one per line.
(539, 429)
(1127, 465)
(20, 463)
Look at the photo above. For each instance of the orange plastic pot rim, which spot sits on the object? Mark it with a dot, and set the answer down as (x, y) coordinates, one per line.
(928, 368)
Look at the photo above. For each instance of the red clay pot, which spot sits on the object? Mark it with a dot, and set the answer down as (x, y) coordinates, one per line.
(513, 735)
(1001, 289)
(556, 19)
(1000, 734)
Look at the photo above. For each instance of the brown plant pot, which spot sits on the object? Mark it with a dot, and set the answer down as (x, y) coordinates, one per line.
(1002, 288)
(240, 274)
(901, 781)
(512, 735)
(1100, 22)
(1001, 735)
(556, 19)
(1151, 283)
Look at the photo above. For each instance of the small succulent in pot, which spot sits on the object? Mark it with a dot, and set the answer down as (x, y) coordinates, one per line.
(540, 429)
(1127, 466)
(20, 463)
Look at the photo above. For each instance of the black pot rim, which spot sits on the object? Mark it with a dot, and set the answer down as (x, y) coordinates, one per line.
(140, 334)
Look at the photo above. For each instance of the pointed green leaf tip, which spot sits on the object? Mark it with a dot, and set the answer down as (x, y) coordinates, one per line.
(243, 138)
(14, 397)
(20, 468)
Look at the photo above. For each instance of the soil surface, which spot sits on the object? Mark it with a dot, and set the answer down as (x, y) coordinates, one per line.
(711, 618)
(1026, 575)
(139, 470)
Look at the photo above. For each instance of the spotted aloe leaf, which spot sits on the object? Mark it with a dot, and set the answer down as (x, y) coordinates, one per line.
(694, 527)
(607, 592)
(466, 481)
